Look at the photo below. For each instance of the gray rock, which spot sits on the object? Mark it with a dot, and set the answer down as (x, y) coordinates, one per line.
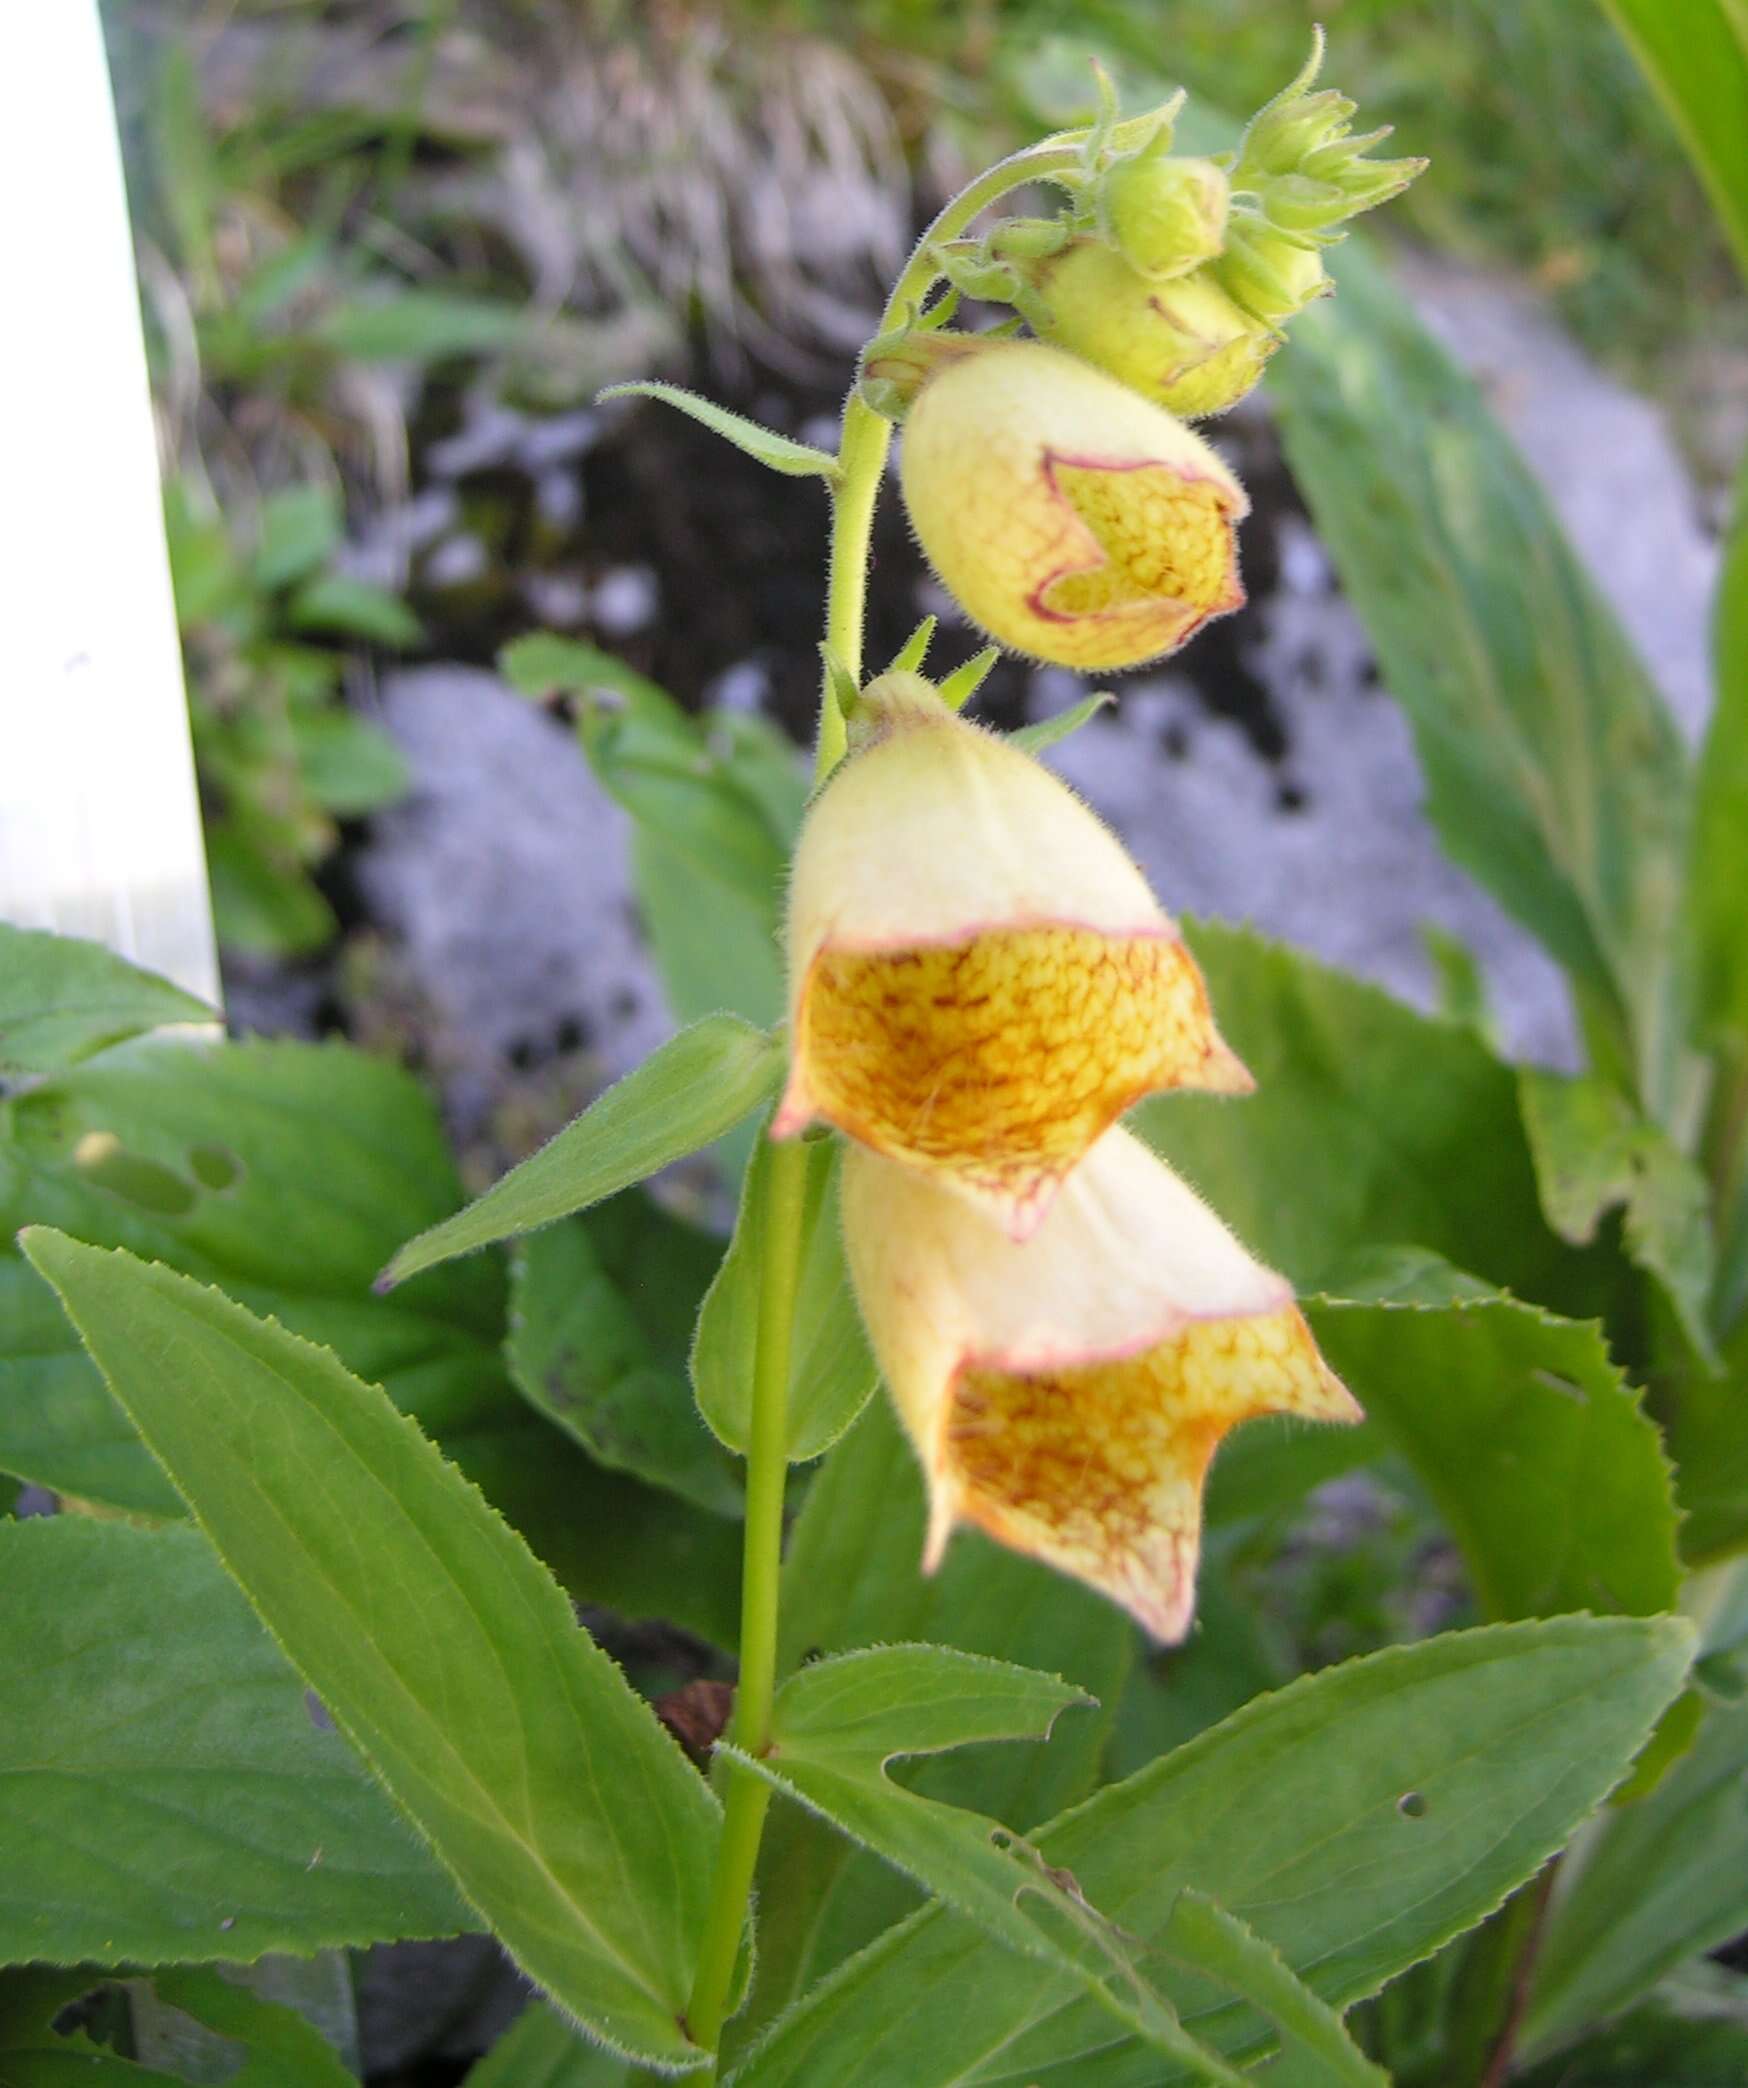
(503, 880)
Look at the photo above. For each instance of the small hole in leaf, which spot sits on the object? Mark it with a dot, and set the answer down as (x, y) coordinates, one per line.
(1411, 1805)
(102, 1158)
(215, 1166)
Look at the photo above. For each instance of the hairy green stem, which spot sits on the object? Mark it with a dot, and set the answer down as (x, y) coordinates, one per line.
(761, 1567)
(866, 437)
(862, 448)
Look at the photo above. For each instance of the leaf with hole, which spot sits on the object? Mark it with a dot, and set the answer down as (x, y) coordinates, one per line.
(839, 1723)
(443, 1650)
(63, 1000)
(1290, 1814)
(1595, 1153)
(289, 1173)
(1535, 1451)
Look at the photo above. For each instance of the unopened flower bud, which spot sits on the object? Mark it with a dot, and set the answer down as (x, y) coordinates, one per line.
(1292, 126)
(981, 981)
(1068, 1395)
(1164, 215)
(1072, 519)
(1185, 344)
(1271, 274)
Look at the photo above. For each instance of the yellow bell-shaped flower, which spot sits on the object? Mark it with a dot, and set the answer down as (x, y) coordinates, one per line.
(980, 979)
(1067, 1395)
(1070, 518)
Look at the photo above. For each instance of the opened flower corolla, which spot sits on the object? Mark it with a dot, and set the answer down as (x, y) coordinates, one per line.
(1070, 518)
(1067, 1395)
(981, 981)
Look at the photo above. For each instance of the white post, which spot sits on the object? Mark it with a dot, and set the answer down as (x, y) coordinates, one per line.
(99, 820)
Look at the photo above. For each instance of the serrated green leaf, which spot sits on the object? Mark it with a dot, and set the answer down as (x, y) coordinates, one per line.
(439, 1644)
(1595, 1153)
(63, 1000)
(257, 2042)
(1534, 1449)
(1371, 1125)
(1554, 772)
(838, 1723)
(1656, 1882)
(1288, 1813)
(1696, 58)
(284, 1171)
(1049, 732)
(541, 2050)
(173, 1798)
(287, 1173)
(602, 1308)
(685, 1094)
(1708, 1439)
(832, 1374)
(1200, 1933)
(793, 459)
(853, 1575)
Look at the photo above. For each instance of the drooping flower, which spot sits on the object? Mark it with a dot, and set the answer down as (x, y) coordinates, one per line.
(981, 981)
(1071, 518)
(1067, 1395)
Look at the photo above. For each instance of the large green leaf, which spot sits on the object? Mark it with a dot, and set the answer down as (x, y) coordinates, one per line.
(332, 1157)
(171, 1795)
(685, 1094)
(1720, 837)
(601, 1315)
(286, 1172)
(853, 1576)
(1531, 1443)
(444, 1651)
(1554, 773)
(1595, 1153)
(1696, 57)
(1291, 1814)
(210, 2028)
(713, 946)
(831, 1370)
(1371, 1126)
(837, 1725)
(62, 999)
(1656, 1882)
(1707, 1422)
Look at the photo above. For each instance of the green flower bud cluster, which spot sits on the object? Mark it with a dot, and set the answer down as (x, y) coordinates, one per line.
(1177, 274)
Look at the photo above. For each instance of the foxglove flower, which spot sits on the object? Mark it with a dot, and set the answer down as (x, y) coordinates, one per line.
(981, 981)
(1067, 1395)
(1071, 518)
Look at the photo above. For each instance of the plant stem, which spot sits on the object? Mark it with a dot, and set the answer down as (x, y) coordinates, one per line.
(865, 437)
(862, 447)
(761, 1567)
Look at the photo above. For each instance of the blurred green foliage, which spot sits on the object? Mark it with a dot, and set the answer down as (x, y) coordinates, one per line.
(1549, 150)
